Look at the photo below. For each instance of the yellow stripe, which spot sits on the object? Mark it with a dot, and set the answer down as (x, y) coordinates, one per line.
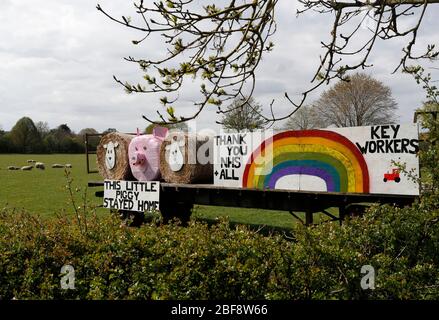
(310, 144)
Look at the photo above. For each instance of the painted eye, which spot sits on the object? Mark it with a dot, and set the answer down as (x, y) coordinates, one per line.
(133, 158)
(144, 148)
(137, 149)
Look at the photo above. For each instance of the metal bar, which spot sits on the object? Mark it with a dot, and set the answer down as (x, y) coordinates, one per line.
(297, 217)
(330, 215)
(86, 153)
(282, 200)
(308, 218)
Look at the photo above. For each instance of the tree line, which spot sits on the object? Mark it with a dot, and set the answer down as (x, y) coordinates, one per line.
(29, 137)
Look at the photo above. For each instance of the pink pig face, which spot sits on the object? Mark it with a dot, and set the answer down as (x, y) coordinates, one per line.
(144, 156)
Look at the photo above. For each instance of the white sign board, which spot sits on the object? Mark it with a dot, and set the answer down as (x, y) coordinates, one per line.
(132, 195)
(351, 160)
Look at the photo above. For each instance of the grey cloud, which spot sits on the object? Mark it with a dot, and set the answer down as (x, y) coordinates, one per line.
(58, 57)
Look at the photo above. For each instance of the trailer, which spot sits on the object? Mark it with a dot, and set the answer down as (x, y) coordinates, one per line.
(177, 200)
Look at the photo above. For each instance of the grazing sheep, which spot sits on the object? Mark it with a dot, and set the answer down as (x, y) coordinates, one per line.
(68, 165)
(31, 161)
(40, 165)
(13, 168)
(27, 168)
(57, 165)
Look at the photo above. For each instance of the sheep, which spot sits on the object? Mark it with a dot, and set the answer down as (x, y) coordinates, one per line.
(13, 168)
(27, 168)
(31, 161)
(57, 165)
(40, 165)
(68, 165)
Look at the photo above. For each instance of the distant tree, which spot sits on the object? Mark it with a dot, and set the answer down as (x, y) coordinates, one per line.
(181, 126)
(92, 141)
(6, 145)
(85, 131)
(63, 140)
(42, 128)
(359, 102)
(303, 119)
(242, 115)
(109, 130)
(25, 136)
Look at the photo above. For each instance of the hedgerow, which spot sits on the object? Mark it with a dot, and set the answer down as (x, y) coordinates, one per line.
(169, 261)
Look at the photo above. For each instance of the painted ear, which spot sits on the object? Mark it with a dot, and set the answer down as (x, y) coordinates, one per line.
(181, 143)
(116, 144)
(105, 146)
(160, 132)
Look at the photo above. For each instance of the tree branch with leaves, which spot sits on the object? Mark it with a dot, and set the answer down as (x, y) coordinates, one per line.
(222, 44)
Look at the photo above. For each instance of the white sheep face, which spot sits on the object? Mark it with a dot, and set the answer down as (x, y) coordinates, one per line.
(175, 158)
(110, 154)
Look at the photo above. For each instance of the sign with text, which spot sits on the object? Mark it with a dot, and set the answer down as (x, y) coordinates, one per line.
(348, 160)
(138, 196)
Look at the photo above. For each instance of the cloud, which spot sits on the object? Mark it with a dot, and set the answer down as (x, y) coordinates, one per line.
(58, 57)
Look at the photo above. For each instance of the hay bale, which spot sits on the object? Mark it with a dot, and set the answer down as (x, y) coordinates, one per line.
(187, 158)
(57, 166)
(27, 168)
(13, 168)
(144, 154)
(112, 156)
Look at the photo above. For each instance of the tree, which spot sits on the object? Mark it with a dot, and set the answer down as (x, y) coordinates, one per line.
(109, 130)
(304, 119)
(223, 44)
(25, 137)
(42, 128)
(243, 114)
(361, 101)
(182, 126)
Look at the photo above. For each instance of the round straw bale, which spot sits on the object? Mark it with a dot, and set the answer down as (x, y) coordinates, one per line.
(112, 156)
(187, 158)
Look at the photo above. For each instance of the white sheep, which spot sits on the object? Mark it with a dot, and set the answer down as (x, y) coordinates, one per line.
(40, 165)
(57, 165)
(27, 168)
(13, 168)
(68, 165)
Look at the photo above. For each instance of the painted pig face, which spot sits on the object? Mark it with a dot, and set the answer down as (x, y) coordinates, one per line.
(110, 154)
(144, 156)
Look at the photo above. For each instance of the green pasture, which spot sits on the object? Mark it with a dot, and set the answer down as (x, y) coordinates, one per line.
(44, 191)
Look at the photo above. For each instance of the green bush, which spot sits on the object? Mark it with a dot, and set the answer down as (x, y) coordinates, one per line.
(220, 262)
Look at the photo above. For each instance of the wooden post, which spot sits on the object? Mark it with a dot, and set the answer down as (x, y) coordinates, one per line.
(308, 218)
(86, 152)
(341, 213)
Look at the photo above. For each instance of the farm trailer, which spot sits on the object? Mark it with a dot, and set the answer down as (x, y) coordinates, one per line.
(177, 200)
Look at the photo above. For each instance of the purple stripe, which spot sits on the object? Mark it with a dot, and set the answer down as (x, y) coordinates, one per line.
(312, 171)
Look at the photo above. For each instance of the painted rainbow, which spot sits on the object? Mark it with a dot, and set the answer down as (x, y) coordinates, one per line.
(320, 153)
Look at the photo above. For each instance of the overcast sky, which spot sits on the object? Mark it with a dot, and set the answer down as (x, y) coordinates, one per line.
(57, 59)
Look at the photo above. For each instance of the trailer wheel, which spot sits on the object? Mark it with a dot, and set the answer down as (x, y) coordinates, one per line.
(398, 179)
(385, 179)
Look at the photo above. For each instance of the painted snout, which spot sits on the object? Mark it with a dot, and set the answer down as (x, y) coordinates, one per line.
(139, 159)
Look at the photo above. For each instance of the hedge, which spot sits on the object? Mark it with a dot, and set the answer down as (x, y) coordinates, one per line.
(168, 261)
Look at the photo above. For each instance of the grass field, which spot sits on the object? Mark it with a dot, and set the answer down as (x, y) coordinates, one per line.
(44, 191)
